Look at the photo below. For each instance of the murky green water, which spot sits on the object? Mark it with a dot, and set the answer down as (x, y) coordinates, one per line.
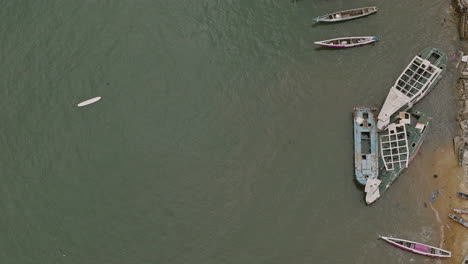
(223, 136)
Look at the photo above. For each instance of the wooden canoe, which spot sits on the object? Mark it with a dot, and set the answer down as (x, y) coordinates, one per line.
(418, 248)
(461, 211)
(458, 220)
(346, 42)
(347, 14)
(463, 195)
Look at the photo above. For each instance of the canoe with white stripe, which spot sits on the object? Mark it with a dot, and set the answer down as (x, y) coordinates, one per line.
(347, 14)
(418, 248)
(346, 42)
(89, 101)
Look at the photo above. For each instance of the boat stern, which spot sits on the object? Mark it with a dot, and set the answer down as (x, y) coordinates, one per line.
(372, 190)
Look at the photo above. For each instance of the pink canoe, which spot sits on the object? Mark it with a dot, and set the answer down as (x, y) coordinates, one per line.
(418, 248)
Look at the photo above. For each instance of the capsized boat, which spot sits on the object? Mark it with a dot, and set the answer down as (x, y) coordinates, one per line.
(416, 81)
(366, 147)
(461, 211)
(418, 248)
(458, 220)
(346, 42)
(399, 144)
(463, 195)
(347, 14)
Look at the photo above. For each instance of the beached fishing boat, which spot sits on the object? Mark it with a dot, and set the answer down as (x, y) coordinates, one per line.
(366, 156)
(458, 220)
(347, 14)
(399, 144)
(418, 248)
(416, 81)
(465, 261)
(346, 42)
(463, 195)
(461, 211)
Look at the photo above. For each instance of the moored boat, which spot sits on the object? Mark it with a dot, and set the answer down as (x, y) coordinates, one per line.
(347, 14)
(418, 248)
(398, 146)
(458, 220)
(346, 42)
(463, 195)
(416, 81)
(366, 147)
(461, 211)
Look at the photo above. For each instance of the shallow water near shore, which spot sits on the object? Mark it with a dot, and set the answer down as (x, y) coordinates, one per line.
(223, 136)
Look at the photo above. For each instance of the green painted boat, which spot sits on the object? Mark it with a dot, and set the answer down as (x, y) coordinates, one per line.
(399, 144)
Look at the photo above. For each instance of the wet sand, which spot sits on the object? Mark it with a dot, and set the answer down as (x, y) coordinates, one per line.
(448, 178)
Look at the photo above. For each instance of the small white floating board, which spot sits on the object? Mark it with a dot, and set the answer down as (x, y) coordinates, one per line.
(89, 101)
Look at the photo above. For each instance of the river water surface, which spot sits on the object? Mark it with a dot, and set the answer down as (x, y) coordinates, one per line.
(223, 136)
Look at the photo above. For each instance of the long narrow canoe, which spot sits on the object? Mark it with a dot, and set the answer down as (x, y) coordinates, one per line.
(461, 211)
(346, 42)
(463, 195)
(458, 220)
(418, 248)
(347, 14)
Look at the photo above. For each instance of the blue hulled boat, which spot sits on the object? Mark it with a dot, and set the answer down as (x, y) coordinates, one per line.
(366, 159)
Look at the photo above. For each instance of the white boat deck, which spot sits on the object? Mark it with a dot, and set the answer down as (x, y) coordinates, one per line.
(394, 147)
(411, 86)
(416, 77)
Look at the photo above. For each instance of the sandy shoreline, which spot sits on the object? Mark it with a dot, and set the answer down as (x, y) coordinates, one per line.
(448, 178)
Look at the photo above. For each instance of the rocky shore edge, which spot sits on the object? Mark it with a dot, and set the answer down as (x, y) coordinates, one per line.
(461, 6)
